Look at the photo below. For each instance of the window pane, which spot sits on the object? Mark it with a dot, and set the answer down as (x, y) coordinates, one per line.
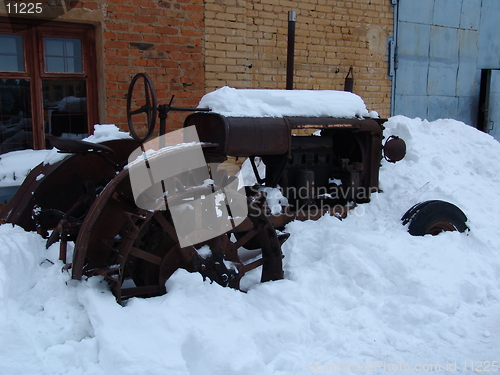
(63, 55)
(54, 47)
(56, 64)
(15, 115)
(65, 108)
(11, 53)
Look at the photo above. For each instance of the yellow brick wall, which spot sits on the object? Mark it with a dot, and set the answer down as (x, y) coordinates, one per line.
(246, 45)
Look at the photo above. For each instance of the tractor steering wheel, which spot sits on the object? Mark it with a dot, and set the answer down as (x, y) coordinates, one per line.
(150, 107)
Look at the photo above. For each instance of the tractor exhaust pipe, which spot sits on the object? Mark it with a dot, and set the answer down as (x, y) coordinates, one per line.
(292, 17)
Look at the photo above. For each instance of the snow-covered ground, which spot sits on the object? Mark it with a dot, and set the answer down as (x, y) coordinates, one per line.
(359, 295)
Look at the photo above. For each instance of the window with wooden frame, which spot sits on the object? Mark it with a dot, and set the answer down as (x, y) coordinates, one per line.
(48, 83)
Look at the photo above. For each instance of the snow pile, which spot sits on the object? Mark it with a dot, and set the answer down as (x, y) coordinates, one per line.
(233, 102)
(16, 165)
(106, 132)
(358, 294)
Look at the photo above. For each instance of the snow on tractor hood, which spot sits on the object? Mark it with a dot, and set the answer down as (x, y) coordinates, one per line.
(233, 102)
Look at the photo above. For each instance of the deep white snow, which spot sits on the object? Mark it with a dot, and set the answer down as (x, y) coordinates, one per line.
(359, 295)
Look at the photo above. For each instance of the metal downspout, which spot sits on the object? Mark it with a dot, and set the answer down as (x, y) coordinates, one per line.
(392, 55)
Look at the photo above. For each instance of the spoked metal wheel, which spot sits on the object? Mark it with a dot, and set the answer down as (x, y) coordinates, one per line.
(139, 102)
(137, 250)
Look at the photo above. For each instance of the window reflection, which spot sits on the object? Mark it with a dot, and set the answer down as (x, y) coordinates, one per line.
(15, 115)
(65, 108)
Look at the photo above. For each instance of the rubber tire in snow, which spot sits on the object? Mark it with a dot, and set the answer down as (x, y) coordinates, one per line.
(433, 217)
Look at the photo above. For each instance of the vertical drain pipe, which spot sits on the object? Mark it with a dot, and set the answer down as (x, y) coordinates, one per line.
(292, 17)
(392, 55)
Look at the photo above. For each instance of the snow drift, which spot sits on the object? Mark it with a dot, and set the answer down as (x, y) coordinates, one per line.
(358, 295)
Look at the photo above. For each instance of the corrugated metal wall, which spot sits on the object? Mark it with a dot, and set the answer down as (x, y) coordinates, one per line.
(441, 47)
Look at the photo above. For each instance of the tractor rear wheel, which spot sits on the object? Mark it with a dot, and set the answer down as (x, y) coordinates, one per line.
(137, 250)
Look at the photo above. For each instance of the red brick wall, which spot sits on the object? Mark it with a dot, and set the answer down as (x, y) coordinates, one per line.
(172, 32)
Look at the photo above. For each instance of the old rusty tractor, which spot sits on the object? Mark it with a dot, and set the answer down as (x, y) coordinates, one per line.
(87, 198)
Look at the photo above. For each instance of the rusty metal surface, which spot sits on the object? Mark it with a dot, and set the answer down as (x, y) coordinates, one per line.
(365, 124)
(394, 149)
(78, 146)
(242, 136)
(245, 136)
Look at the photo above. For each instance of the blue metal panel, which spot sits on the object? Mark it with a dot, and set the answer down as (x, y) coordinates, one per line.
(411, 77)
(418, 11)
(442, 79)
(414, 39)
(411, 106)
(447, 13)
(471, 14)
(443, 64)
(444, 44)
(489, 35)
(442, 107)
(468, 45)
(467, 109)
(468, 79)
(494, 105)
